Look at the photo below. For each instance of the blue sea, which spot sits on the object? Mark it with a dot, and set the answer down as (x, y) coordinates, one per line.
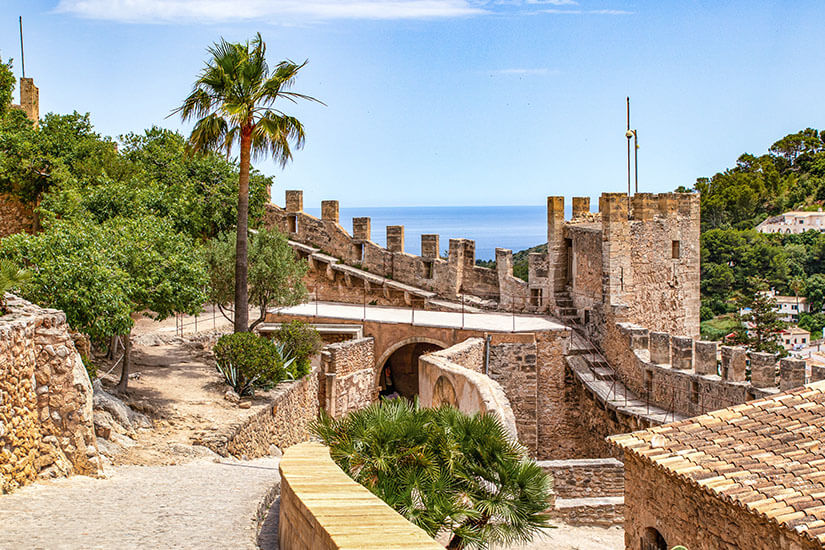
(491, 227)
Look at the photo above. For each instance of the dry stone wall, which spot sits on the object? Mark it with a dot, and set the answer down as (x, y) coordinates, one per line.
(46, 419)
(15, 217)
(347, 375)
(283, 423)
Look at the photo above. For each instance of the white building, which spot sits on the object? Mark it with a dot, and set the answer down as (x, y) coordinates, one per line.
(794, 337)
(789, 307)
(795, 221)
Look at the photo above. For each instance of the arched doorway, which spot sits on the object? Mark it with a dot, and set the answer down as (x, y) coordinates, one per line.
(401, 361)
(653, 540)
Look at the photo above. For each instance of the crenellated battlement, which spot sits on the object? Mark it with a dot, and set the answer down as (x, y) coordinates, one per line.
(690, 376)
(447, 277)
(636, 260)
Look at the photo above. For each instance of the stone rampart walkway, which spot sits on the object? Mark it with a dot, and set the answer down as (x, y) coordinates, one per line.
(204, 505)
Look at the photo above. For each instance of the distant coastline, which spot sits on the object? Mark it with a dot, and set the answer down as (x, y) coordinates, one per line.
(491, 227)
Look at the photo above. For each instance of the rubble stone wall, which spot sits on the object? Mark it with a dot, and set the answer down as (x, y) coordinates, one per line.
(586, 478)
(283, 423)
(346, 376)
(513, 364)
(46, 419)
(15, 217)
(685, 514)
(559, 434)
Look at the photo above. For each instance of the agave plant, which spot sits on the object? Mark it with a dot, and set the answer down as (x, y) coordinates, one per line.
(11, 276)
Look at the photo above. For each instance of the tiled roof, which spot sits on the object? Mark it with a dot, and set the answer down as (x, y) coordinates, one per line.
(765, 456)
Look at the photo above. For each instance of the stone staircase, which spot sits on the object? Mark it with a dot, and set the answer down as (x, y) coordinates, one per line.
(599, 378)
(566, 310)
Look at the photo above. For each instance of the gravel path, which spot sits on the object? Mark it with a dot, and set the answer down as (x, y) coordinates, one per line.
(200, 505)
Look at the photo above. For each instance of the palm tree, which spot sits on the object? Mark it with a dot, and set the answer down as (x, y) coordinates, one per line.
(232, 101)
(450, 473)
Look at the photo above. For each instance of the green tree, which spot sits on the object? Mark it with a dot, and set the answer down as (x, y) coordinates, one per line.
(443, 470)
(275, 275)
(758, 313)
(232, 102)
(72, 271)
(166, 272)
(6, 87)
(815, 292)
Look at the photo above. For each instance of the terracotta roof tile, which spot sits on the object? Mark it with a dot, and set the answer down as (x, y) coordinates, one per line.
(766, 456)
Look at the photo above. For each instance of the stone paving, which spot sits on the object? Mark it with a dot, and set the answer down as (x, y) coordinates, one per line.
(481, 321)
(202, 505)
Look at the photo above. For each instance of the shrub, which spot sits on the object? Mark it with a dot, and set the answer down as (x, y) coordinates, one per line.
(247, 361)
(443, 470)
(301, 341)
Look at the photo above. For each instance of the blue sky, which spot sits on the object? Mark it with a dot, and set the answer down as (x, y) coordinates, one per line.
(457, 102)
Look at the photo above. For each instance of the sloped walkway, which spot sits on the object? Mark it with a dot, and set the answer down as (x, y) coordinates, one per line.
(201, 505)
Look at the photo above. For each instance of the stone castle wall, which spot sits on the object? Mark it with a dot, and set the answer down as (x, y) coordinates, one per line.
(637, 261)
(443, 380)
(450, 277)
(346, 377)
(686, 514)
(46, 422)
(691, 377)
(586, 478)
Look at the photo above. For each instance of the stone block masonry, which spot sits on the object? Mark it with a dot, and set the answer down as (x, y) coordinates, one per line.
(346, 377)
(46, 426)
(586, 478)
(323, 509)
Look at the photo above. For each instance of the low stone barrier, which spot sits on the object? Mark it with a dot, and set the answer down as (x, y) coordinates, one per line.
(322, 508)
(283, 422)
(586, 478)
(442, 381)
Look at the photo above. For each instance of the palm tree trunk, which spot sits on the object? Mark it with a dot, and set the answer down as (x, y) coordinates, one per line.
(241, 290)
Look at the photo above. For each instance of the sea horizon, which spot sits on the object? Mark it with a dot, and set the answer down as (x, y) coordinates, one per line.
(512, 227)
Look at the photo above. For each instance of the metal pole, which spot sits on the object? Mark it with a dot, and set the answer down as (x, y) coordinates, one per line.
(628, 135)
(462, 310)
(22, 58)
(636, 157)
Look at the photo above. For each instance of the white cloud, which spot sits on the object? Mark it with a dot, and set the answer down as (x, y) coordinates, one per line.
(163, 11)
(588, 12)
(554, 2)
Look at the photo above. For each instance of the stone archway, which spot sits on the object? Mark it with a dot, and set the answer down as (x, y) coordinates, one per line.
(653, 540)
(402, 361)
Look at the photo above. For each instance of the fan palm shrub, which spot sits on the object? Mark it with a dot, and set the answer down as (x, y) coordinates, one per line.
(11, 276)
(443, 470)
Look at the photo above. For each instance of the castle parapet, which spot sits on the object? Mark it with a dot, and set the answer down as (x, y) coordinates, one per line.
(660, 348)
(581, 207)
(395, 238)
(763, 369)
(734, 361)
(329, 211)
(362, 229)
(705, 357)
(429, 245)
(294, 201)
